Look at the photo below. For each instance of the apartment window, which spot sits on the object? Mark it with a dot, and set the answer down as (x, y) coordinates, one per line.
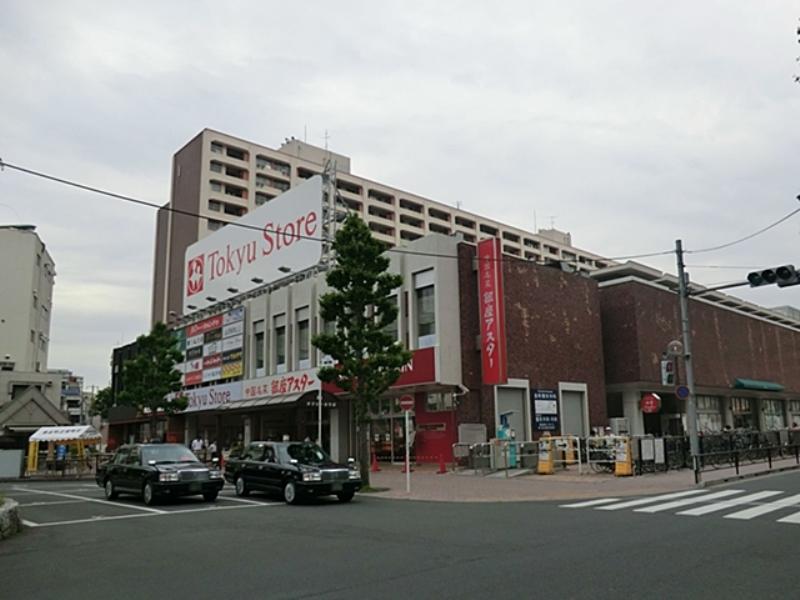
(263, 198)
(216, 186)
(425, 309)
(33, 336)
(237, 211)
(234, 191)
(465, 223)
(217, 148)
(511, 237)
(305, 173)
(437, 402)
(412, 206)
(380, 228)
(413, 221)
(488, 229)
(214, 225)
(438, 228)
(380, 197)
(280, 343)
(302, 318)
(381, 212)
(352, 204)
(409, 235)
(551, 250)
(216, 167)
(348, 186)
(215, 205)
(258, 343)
(468, 237)
(236, 153)
(773, 414)
(511, 250)
(435, 213)
(531, 244)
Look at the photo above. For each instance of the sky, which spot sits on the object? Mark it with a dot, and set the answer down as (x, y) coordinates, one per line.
(629, 124)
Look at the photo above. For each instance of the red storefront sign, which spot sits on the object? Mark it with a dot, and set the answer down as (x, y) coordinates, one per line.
(492, 312)
(214, 322)
(650, 403)
(420, 369)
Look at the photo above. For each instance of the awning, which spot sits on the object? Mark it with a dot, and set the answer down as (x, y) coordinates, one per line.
(755, 384)
(261, 402)
(65, 434)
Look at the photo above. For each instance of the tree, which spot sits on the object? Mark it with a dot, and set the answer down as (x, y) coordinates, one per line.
(103, 400)
(150, 376)
(367, 358)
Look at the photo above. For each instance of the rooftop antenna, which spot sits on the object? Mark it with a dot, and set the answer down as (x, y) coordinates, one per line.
(326, 139)
(305, 134)
(553, 221)
(535, 225)
(458, 204)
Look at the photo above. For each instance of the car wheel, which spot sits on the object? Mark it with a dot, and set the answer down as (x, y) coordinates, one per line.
(110, 490)
(345, 496)
(290, 492)
(241, 487)
(148, 495)
(210, 496)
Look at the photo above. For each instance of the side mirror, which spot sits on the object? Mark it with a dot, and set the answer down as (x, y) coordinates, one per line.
(293, 461)
(152, 463)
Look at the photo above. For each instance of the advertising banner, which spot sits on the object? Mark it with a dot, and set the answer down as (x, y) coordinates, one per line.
(297, 382)
(212, 396)
(214, 348)
(285, 233)
(492, 312)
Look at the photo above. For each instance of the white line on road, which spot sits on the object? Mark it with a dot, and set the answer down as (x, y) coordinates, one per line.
(650, 499)
(757, 511)
(84, 498)
(51, 503)
(795, 518)
(589, 503)
(142, 515)
(685, 501)
(717, 506)
(29, 523)
(232, 499)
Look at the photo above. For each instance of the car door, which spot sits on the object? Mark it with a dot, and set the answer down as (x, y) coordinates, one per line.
(135, 472)
(257, 467)
(115, 470)
(272, 477)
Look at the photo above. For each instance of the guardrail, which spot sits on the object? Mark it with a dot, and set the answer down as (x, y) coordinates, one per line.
(738, 458)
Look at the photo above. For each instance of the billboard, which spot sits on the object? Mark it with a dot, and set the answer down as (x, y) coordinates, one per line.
(492, 312)
(214, 348)
(282, 235)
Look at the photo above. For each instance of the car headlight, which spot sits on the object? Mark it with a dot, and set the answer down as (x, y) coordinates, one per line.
(354, 474)
(215, 474)
(312, 476)
(169, 476)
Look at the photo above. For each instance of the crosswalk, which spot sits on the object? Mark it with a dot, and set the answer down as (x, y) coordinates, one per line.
(698, 503)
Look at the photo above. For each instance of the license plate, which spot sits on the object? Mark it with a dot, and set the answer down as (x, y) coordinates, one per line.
(337, 486)
(194, 487)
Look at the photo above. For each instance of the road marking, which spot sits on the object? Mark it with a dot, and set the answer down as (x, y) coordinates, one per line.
(795, 518)
(757, 511)
(685, 501)
(29, 523)
(107, 502)
(146, 515)
(51, 503)
(651, 499)
(232, 499)
(717, 506)
(589, 503)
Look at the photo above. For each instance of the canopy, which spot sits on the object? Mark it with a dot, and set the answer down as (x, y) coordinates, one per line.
(755, 384)
(65, 434)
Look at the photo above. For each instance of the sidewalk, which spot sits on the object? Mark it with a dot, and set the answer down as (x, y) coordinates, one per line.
(465, 486)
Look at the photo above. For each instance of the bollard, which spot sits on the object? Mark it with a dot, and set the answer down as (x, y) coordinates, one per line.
(374, 468)
(623, 466)
(442, 468)
(545, 464)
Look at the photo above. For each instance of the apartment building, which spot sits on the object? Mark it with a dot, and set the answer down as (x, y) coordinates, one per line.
(28, 274)
(221, 178)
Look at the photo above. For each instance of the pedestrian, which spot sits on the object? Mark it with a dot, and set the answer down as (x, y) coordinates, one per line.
(197, 444)
(212, 450)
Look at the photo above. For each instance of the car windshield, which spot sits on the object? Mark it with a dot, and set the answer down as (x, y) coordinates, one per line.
(307, 454)
(168, 453)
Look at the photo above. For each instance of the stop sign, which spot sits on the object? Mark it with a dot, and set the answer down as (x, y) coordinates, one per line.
(650, 403)
(407, 402)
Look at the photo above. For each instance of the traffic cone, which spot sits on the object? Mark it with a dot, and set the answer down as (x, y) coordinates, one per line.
(442, 468)
(374, 468)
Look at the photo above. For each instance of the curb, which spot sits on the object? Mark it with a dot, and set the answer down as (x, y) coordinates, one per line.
(10, 523)
(724, 480)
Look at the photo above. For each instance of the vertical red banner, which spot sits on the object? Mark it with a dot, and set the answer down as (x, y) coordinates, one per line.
(492, 310)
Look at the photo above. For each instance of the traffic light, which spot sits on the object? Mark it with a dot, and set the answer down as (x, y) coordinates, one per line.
(784, 275)
(667, 372)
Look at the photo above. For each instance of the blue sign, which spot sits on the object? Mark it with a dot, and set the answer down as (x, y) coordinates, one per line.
(545, 410)
(682, 392)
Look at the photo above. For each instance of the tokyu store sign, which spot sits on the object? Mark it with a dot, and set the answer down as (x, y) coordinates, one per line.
(280, 236)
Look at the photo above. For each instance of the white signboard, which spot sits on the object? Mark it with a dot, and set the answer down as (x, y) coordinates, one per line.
(212, 396)
(285, 233)
(546, 407)
(296, 382)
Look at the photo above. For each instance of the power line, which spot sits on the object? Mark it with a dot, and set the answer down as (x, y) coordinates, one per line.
(747, 237)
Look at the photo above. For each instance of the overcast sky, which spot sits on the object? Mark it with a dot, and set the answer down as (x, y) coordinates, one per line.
(630, 124)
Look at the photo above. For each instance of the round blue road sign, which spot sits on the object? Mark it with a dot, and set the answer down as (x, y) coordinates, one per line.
(682, 392)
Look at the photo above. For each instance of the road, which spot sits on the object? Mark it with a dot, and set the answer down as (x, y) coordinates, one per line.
(82, 547)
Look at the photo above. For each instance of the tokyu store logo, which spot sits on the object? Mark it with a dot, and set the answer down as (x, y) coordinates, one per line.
(194, 281)
(278, 237)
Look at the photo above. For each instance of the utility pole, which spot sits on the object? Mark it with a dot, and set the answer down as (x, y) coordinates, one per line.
(691, 403)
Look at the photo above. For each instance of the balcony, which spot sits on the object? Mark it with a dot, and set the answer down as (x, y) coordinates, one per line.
(411, 206)
(381, 213)
(380, 197)
(436, 228)
(440, 215)
(412, 222)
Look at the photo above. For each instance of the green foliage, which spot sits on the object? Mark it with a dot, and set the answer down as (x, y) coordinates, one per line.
(151, 375)
(368, 359)
(103, 400)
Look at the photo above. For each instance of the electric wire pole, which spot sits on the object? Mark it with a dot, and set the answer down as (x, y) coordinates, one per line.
(691, 404)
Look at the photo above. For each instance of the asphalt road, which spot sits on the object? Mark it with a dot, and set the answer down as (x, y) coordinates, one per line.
(82, 547)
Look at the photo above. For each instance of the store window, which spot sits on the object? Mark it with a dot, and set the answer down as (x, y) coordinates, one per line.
(794, 413)
(773, 414)
(742, 409)
(439, 401)
(302, 318)
(280, 343)
(258, 348)
(709, 416)
(425, 309)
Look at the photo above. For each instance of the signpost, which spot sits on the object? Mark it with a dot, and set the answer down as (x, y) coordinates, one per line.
(407, 404)
(326, 361)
